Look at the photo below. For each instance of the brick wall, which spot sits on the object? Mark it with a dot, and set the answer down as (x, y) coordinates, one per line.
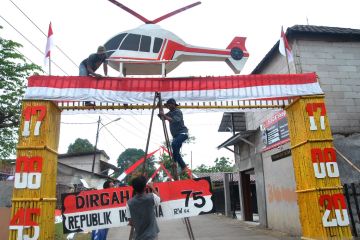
(338, 67)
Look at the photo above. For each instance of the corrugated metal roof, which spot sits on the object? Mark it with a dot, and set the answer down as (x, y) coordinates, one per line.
(233, 121)
(236, 138)
(311, 31)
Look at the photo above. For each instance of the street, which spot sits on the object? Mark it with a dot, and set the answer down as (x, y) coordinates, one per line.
(210, 226)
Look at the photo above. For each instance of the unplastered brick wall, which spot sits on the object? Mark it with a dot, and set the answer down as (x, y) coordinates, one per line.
(338, 67)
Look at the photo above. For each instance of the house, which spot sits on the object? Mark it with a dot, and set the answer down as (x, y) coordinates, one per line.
(334, 54)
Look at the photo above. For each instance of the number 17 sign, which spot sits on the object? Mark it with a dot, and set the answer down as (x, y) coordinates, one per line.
(90, 210)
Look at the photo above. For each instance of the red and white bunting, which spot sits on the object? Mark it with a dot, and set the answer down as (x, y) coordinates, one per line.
(186, 89)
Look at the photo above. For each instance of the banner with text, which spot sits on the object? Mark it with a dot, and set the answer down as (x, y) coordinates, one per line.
(96, 209)
(275, 131)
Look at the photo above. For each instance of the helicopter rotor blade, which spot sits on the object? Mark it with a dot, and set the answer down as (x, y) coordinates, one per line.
(132, 12)
(173, 13)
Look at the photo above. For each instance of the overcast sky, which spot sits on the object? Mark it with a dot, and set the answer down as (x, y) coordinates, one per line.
(80, 26)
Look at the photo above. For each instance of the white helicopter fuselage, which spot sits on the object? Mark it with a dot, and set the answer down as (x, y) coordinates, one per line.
(146, 49)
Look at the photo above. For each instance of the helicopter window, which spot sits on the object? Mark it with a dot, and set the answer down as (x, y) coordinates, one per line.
(145, 43)
(157, 45)
(131, 42)
(114, 43)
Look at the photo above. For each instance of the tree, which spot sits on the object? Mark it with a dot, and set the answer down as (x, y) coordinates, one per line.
(221, 165)
(13, 71)
(80, 145)
(130, 156)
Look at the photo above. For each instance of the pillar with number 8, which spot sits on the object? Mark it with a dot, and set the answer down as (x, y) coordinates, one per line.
(34, 194)
(322, 206)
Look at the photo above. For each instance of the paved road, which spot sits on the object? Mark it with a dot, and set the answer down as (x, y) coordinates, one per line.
(210, 226)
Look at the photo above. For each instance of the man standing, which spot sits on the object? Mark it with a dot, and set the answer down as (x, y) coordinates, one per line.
(89, 65)
(140, 210)
(178, 130)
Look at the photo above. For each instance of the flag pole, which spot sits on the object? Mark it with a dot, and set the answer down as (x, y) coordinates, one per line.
(50, 65)
(286, 52)
(287, 60)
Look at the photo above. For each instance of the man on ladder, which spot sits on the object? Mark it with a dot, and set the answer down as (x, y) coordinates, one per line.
(178, 131)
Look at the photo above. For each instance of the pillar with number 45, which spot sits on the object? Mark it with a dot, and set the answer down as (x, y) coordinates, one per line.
(323, 211)
(34, 195)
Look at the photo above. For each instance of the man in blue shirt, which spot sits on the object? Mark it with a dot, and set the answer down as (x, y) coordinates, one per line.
(178, 130)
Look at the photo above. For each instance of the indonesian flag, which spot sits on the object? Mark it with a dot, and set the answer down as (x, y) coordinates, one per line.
(49, 45)
(284, 46)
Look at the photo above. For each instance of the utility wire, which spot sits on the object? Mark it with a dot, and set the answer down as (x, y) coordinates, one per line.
(44, 34)
(25, 56)
(77, 123)
(140, 135)
(114, 136)
(32, 44)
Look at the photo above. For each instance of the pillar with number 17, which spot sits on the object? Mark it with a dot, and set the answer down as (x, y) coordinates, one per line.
(322, 206)
(34, 195)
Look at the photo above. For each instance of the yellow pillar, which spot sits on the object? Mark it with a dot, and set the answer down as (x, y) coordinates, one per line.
(322, 206)
(34, 195)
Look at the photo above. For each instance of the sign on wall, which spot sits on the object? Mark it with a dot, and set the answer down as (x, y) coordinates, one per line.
(275, 131)
(96, 209)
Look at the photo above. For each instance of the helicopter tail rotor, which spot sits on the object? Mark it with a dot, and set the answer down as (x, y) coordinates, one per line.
(238, 54)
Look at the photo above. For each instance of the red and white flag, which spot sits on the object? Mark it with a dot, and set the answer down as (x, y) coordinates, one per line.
(284, 46)
(49, 45)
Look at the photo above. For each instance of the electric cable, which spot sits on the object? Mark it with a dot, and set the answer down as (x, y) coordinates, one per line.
(114, 137)
(32, 44)
(145, 127)
(44, 34)
(131, 132)
(77, 123)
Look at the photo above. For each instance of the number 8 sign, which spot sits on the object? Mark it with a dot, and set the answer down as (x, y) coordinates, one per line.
(28, 172)
(324, 159)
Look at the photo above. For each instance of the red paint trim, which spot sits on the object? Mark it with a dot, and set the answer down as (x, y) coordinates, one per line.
(171, 84)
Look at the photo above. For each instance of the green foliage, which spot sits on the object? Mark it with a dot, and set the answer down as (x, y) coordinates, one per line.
(221, 165)
(13, 72)
(80, 145)
(129, 157)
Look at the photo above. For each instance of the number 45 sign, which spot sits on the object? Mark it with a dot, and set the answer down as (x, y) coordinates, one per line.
(23, 220)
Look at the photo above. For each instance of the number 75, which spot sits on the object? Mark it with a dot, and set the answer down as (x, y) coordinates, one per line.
(195, 196)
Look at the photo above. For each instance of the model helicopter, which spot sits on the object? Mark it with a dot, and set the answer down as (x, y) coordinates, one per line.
(151, 50)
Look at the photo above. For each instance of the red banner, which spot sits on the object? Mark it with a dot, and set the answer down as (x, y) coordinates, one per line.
(96, 209)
